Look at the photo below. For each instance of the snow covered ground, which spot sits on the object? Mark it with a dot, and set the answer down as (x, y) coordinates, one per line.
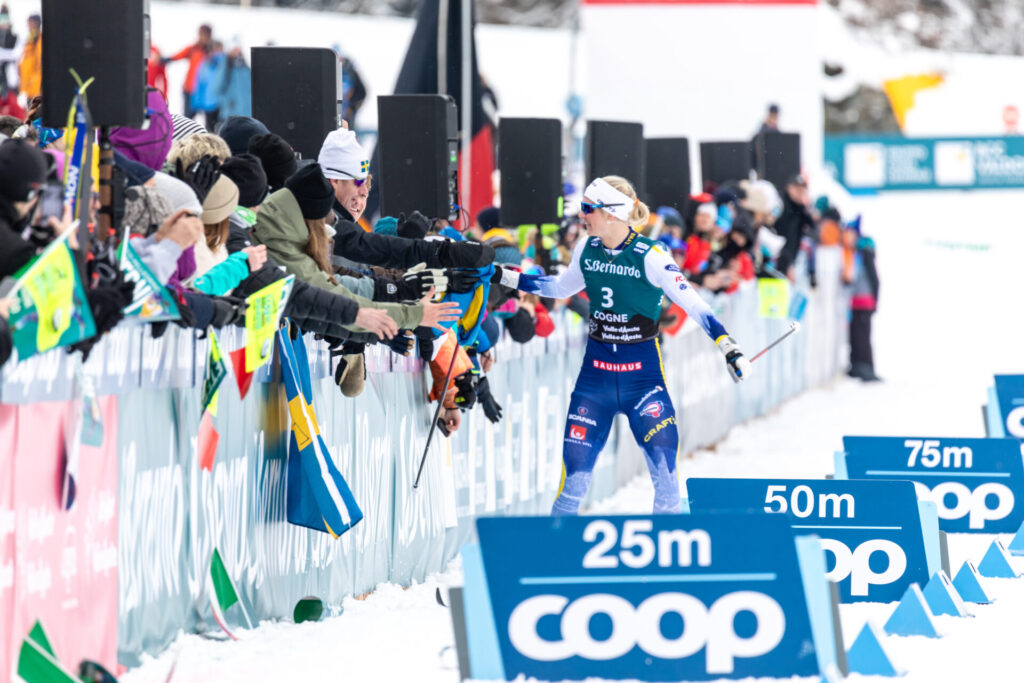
(949, 265)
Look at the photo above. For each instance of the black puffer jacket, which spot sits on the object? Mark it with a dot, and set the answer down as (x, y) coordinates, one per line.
(313, 309)
(354, 244)
(792, 224)
(14, 251)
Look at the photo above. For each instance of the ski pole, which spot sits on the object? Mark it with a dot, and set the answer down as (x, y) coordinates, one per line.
(794, 326)
(437, 414)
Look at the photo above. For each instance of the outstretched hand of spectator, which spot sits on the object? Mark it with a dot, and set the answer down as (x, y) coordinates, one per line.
(376, 321)
(434, 315)
(5, 308)
(257, 256)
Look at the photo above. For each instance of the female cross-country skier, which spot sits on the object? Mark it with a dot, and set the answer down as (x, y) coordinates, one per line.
(625, 276)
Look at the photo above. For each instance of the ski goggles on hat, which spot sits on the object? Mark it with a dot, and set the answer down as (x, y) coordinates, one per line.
(587, 208)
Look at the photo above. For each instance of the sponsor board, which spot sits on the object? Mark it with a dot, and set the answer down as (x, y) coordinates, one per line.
(878, 538)
(976, 484)
(659, 598)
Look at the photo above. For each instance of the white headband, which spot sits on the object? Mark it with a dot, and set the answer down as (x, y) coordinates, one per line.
(618, 204)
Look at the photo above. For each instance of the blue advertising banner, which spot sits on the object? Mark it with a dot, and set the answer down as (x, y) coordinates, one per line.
(1006, 407)
(655, 598)
(974, 483)
(878, 538)
(868, 163)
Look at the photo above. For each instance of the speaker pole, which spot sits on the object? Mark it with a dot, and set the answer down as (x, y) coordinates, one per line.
(106, 212)
(466, 185)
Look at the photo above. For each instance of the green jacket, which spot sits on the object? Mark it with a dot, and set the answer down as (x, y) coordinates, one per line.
(280, 226)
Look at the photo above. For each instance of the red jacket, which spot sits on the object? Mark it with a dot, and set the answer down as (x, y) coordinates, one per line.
(195, 54)
(544, 325)
(697, 252)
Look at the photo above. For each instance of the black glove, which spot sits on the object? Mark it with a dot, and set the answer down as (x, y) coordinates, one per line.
(464, 254)
(397, 290)
(466, 398)
(491, 408)
(415, 227)
(461, 281)
(421, 279)
(200, 176)
(401, 343)
(227, 310)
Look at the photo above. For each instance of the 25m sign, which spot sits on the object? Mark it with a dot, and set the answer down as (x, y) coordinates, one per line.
(977, 485)
(660, 598)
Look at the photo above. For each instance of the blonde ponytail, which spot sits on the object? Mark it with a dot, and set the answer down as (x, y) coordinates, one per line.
(640, 213)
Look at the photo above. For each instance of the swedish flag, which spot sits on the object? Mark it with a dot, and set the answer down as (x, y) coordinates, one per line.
(318, 496)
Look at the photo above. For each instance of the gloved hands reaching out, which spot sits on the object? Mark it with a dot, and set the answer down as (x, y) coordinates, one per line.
(491, 408)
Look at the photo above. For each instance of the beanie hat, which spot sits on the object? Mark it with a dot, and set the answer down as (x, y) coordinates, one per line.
(148, 146)
(709, 208)
(238, 130)
(507, 255)
(277, 158)
(23, 170)
(488, 218)
(221, 201)
(247, 172)
(670, 216)
(184, 127)
(180, 195)
(386, 225)
(312, 191)
(521, 326)
(145, 209)
(342, 158)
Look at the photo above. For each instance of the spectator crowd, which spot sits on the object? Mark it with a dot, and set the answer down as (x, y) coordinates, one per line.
(218, 208)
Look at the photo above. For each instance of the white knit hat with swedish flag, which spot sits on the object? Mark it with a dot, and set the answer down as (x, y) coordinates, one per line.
(342, 158)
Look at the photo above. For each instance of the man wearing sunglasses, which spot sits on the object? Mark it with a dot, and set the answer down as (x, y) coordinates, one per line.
(626, 276)
(347, 168)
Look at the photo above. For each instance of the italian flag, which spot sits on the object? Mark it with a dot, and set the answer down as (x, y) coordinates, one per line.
(222, 593)
(37, 662)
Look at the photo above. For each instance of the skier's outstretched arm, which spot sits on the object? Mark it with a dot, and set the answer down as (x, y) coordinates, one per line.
(663, 272)
(549, 286)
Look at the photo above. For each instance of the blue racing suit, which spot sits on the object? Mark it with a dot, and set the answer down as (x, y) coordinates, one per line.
(622, 369)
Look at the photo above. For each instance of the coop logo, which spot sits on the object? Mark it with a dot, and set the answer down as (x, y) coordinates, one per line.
(956, 501)
(856, 564)
(704, 628)
(577, 432)
(653, 409)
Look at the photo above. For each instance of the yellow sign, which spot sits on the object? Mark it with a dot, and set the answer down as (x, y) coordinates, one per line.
(773, 297)
(262, 315)
(51, 284)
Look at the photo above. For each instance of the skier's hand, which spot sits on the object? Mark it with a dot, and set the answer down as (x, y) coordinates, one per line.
(735, 361)
(466, 398)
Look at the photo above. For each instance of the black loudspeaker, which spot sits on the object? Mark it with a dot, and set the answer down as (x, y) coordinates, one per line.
(530, 160)
(616, 148)
(419, 155)
(668, 172)
(296, 93)
(723, 161)
(778, 157)
(103, 39)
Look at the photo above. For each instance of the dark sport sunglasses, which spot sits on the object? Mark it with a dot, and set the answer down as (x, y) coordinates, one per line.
(587, 208)
(358, 181)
